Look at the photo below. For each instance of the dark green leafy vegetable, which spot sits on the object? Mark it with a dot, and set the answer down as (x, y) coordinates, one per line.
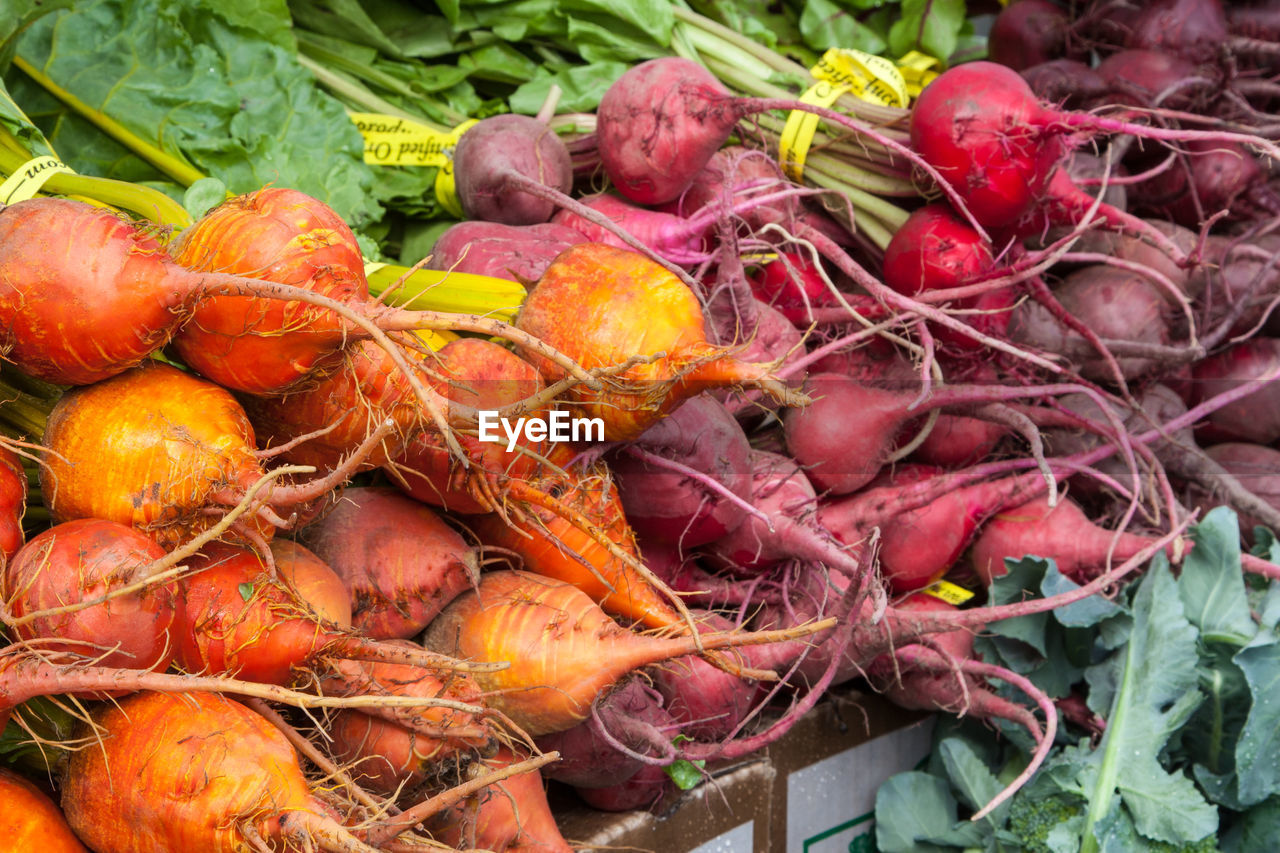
(1184, 669)
(930, 26)
(215, 85)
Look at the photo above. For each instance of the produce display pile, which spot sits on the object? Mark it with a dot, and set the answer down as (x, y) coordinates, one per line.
(405, 408)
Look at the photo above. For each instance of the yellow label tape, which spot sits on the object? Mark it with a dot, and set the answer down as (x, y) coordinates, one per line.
(948, 592)
(919, 70)
(395, 141)
(871, 78)
(27, 180)
(797, 133)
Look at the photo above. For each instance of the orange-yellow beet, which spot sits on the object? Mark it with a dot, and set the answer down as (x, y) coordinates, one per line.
(563, 650)
(385, 755)
(182, 772)
(479, 373)
(511, 816)
(550, 545)
(13, 502)
(365, 389)
(601, 306)
(280, 235)
(29, 820)
(150, 449)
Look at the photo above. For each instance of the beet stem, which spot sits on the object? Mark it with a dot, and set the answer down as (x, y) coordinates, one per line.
(751, 105)
(293, 495)
(697, 476)
(895, 300)
(931, 660)
(399, 319)
(272, 452)
(362, 648)
(23, 676)
(1089, 121)
(637, 729)
(309, 828)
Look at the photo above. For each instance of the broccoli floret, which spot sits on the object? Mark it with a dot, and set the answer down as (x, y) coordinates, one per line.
(1208, 844)
(1032, 819)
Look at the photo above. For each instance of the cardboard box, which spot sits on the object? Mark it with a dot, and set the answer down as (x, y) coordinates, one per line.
(731, 814)
(830, 765)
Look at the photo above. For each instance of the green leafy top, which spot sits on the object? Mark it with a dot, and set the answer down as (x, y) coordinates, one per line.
(1185, 671)
(217, 85)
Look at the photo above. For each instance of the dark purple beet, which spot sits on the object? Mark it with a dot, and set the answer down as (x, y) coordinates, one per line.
(498, 147)
(817, 594)
(1255, 20)
(641, 791)
(1255, 418)
(632, 715)
(1116, 304)
(1140, 77)
(1257, 468)
(1028, 33)
(515, 252)
(670, 506)
(1127, 247)
(685, 574)
(1230, 274)
(1214, 176)
(786, 498)
(1068, 82)
(1195, 29)
(1159, 405)
(1107, 22)
(708, 702)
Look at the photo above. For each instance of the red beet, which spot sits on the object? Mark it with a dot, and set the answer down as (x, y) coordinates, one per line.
(1028, 33)
(497, 159)
(82, 560)
(1062, 533)
(1255, 418)
(13, 502)
(670, 505)
(399, 560)
(517, 252)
